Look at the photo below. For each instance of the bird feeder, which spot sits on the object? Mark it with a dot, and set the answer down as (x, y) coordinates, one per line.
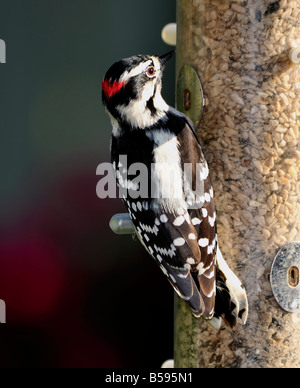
(245, 56)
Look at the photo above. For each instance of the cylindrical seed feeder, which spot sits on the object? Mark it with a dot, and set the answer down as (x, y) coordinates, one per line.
(246, 53)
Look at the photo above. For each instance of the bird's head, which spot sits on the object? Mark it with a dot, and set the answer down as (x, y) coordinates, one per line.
(131, 90)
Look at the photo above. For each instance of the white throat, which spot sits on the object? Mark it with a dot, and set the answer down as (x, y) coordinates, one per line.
(138, 114)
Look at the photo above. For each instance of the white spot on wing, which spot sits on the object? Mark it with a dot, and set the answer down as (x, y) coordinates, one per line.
(201, 269)
(212, 220)
(166, 252)
(210, 250)
(179, 221)
(164, 218)
(191, 261)
(196, 221)
(187, 218)
(180, 211)
(179, 242)
(203, 242)
(207, 197)
(183, 276)
(150, 229)
(204, 172)
(164, 270)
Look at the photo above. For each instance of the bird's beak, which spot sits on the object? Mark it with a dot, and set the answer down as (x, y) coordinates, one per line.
(165, 58)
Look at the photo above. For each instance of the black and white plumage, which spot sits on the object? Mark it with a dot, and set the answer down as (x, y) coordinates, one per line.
(176, 218)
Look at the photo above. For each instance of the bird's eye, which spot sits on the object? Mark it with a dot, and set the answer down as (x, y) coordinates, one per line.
(150, 72)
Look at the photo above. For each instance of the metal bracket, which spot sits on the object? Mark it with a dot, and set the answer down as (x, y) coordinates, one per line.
(190, 96)
(285, 277)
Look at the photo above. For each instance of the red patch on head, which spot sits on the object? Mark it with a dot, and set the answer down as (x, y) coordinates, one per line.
(111, 88)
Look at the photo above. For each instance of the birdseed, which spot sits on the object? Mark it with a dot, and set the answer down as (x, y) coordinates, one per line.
(250, 135)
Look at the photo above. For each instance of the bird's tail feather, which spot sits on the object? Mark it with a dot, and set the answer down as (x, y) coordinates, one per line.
(231, 300)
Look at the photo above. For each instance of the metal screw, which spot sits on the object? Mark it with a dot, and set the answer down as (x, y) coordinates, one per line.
(187, 100)
(293, 277)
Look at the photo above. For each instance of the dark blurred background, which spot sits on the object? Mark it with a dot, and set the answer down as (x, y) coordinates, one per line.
(76, 294)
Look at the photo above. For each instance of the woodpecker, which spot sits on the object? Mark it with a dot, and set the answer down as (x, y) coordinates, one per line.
(175, 221)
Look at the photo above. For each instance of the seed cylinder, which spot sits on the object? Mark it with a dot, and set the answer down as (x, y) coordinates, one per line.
(246, 55)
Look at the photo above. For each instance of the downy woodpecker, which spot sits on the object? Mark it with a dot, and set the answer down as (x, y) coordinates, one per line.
(176, 220)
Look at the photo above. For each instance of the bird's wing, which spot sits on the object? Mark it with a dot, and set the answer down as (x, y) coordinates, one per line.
(171, 239)
(202, 212)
